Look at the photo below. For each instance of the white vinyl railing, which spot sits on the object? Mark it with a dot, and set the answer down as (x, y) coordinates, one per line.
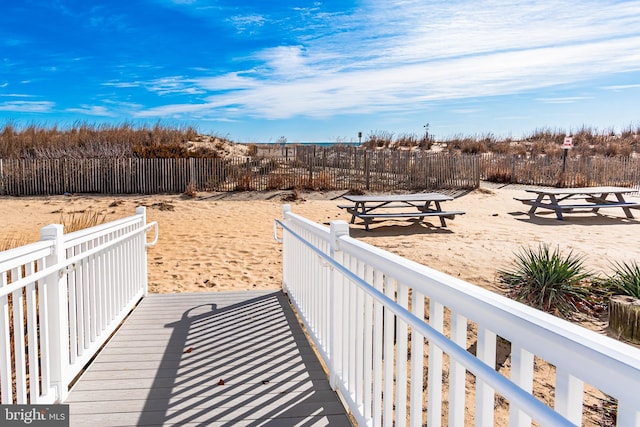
(392, 363)
(60, 300)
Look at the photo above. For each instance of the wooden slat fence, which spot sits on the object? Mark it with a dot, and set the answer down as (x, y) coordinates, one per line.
(346, 169)
(547, 171)
(320, 169)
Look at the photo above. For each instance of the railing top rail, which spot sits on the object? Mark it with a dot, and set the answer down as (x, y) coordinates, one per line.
(15, 257)
(595, 358)
(81, 236)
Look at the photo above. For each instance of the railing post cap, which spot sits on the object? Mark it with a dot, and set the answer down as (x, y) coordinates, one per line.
(286, 208)
(339, 228)
(51, 231)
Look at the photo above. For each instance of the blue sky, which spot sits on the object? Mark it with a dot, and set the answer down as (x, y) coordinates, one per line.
(258, 70)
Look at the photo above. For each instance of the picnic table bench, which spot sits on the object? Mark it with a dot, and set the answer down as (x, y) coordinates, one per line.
(562, 200)
(415, 205)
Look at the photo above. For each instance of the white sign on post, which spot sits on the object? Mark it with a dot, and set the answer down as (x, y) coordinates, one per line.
(568, 143)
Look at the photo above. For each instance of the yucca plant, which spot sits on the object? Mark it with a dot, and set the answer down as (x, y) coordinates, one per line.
(548, 281)
(625, 279)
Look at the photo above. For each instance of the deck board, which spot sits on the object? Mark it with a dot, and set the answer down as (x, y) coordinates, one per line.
(165, 365)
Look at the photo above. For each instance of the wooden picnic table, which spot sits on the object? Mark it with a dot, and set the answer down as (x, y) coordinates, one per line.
(414, 205)
(562, 200)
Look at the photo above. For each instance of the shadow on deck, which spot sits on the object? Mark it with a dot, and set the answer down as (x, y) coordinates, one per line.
(226, 358)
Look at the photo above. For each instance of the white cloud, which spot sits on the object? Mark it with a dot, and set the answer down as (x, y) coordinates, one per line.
(122, 85)
(172, 110)
(563, 100)
(247, 23)
(388, 56)
(27, 106)
(622, 87)
(92, 110)
(173, 85)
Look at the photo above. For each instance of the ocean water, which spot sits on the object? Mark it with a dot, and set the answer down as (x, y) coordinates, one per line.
(319, 144)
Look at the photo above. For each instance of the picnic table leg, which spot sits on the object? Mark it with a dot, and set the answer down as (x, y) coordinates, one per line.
(627, 211)
(534, 205)
(358, 206)
(424, 208)
(557, 209)
(601, 199)
(439, 209)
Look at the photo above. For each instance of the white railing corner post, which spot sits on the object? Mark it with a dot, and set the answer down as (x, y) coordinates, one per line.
(58, 316)
(337, 230)
(142, 211)
(286, 208)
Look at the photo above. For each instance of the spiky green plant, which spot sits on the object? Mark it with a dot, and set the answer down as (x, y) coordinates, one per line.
(546, 280)
(625, 279)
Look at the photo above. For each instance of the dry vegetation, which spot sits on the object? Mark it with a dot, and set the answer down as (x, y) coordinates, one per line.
(125, 140)
(586, 142)
(106, 141)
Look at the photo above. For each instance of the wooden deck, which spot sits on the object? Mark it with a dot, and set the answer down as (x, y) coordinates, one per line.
(224, 358)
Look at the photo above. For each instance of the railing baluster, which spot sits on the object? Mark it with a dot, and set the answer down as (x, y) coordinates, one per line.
(20, 357)
(568, 398)
(388, 355)
(485, 395)
(368, 340)
(359, 338)
(32, 335)
(351, 327)
(521, 374)
(417, 363)
(43, 310)
(457, 375)
(401, 358)
(6, 389)
(628, 413)
(378, 333)
(434, 384)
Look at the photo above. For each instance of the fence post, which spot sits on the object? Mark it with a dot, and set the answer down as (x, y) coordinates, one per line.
(57, 316)
(367, 171)
(337, 229)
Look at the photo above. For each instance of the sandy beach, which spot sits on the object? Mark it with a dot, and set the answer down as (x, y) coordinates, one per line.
(224, 241)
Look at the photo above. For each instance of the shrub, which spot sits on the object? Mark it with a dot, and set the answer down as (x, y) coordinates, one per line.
(546, 280)
(500, 176)
(245, 183)
(275, 181)
(322, 182)
(625, 279)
